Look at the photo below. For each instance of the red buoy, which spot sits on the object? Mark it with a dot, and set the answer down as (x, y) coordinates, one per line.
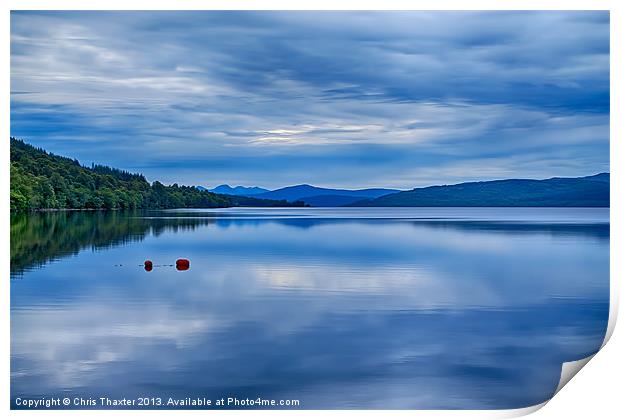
(148, 265)
(182, 264)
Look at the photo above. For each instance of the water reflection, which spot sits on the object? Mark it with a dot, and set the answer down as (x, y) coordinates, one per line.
(37, 238)
(42, 237)
(340, 312)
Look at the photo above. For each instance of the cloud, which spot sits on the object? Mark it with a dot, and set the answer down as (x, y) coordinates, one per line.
(278, 98)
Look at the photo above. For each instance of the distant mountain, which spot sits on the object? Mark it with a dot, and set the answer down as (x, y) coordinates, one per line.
(602, 177)
(324, 197)
(589, 191)
(242, 191)
(200, 188)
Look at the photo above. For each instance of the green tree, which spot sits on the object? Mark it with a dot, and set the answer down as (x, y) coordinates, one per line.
(41, 180)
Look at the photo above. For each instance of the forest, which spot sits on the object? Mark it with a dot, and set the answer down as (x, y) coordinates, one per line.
(43, 180)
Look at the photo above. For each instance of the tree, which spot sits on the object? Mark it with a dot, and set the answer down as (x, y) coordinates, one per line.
(41, 180)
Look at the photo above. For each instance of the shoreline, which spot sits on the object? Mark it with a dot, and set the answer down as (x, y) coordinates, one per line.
(52, 210)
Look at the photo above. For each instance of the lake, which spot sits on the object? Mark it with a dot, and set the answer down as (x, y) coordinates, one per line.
(395, 308)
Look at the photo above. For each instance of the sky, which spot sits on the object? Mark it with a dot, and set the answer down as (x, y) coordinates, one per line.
(335, 99)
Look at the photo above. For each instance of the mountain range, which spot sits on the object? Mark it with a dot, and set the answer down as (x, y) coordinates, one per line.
(42, 180)
(242, 191)
(311, 195)
(324, 197)
(588, 191)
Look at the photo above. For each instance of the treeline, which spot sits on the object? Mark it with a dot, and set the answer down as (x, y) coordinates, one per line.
(42, 180)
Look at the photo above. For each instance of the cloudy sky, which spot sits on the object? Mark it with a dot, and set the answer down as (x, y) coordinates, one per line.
(337, 99)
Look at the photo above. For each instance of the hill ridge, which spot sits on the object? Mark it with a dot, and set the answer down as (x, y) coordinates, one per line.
(587, 191)
(43, 180)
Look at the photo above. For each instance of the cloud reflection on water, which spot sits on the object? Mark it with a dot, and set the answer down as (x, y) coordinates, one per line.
(356, 313)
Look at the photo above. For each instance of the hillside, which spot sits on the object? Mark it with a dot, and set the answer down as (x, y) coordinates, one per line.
(590, 191)
(42, 180)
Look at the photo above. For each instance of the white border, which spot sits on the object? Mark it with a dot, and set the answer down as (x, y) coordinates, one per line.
(595, 391)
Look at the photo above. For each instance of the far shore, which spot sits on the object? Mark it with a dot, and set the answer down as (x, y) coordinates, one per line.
(306, 207)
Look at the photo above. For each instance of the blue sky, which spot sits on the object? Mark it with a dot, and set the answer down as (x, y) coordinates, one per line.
(337, 99)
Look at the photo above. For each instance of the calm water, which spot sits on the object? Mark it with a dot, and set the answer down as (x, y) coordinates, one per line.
(338, 308)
